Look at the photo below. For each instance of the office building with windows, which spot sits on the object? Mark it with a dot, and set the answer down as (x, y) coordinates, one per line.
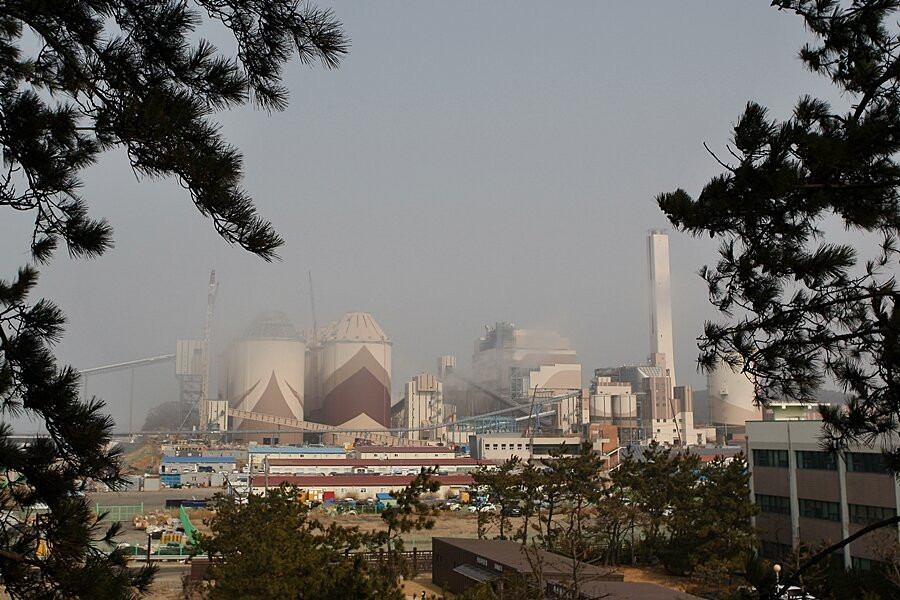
(811, 497)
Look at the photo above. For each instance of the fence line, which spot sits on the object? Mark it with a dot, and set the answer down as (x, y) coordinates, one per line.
(419, 560)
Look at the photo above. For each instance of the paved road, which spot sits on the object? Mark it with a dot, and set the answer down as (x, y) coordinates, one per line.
(149, 498)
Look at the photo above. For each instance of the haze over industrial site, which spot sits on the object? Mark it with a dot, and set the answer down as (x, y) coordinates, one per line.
(498, 199)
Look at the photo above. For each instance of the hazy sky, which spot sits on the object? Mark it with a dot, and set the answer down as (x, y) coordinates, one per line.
(469, 162)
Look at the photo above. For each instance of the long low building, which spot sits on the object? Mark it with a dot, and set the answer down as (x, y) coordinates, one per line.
(194, 464)
(459, 564)
(388, 452)
(393, 466)
(358, 487)
(258, 455)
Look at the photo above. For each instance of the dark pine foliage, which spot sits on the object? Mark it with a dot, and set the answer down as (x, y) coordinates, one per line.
(77, 78)
(802, 310)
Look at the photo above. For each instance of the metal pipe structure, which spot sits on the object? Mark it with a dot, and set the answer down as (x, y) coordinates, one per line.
(322, 428)
(132, 365)
(127, 365)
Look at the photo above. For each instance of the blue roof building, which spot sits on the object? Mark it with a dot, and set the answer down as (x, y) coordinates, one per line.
(188, 464)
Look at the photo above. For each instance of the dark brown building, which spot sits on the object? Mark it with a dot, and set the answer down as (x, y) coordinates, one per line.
(459, 564)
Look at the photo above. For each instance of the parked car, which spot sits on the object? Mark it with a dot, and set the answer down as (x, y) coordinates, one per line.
(795, 593)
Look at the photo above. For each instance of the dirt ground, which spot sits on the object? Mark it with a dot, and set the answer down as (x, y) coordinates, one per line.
(447, 524)
(655, 575)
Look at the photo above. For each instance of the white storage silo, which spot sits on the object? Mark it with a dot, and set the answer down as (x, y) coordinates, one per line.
(624, 406)
(265, 371)
(354, 364)
(731, 396)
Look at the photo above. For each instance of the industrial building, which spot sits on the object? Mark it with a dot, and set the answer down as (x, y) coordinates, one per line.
(392, 466)
(613, 401)
(637, 399)
(423, 406)
(498, 447)
(265, 374)
(509, 363)
(259, 455)
(812, 497)
(405, 452)
(350, 373)
(357, 487)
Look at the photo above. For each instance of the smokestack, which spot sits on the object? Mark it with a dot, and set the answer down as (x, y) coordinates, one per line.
(661, 340)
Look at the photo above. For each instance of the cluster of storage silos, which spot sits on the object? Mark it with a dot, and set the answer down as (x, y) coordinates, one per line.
(605, 406)
(264, 371)
(350, 373)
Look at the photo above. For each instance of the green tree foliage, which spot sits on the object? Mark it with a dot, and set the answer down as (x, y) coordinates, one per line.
(663, 505)
(410, 513)
(710, 526)
(617, 518)
(271, 548)
(661, 483)
(503, 485)
(801, 309)
(688, 514)
(721, 531)
(573, 533)
(78, 78)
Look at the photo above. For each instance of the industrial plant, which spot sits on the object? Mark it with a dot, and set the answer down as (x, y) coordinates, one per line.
(282, 384)
(317, 409)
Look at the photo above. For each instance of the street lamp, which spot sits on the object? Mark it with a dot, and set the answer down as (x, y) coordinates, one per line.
(777, 569)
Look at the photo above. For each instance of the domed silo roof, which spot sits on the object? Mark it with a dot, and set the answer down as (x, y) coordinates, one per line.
(356, 327)
(271, 325)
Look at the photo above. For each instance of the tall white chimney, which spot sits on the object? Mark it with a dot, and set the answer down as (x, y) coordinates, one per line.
(661, 340)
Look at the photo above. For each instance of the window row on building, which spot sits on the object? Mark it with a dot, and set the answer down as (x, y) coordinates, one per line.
(865, 462)
(816, 460)
(819, 509)
(780, 505)
(770, 458)
(866, 515)
(857, 462)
